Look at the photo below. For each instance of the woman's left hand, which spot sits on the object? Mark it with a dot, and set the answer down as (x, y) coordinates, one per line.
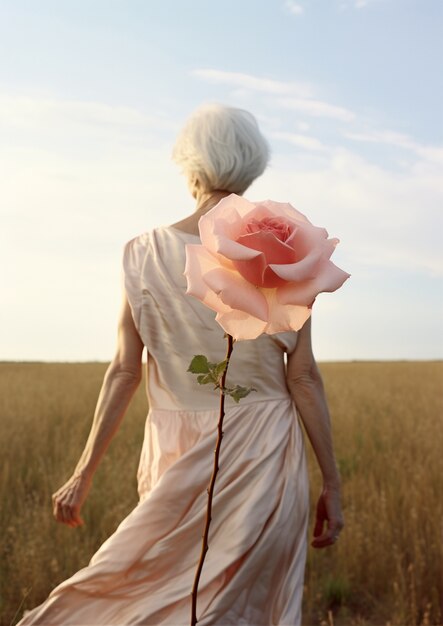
(329, 511)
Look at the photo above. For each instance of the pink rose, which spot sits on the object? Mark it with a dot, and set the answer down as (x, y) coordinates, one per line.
(260, 266)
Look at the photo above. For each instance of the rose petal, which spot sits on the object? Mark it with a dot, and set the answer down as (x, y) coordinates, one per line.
(308, 267)
(284, 209)
(270, 279)
(290, 316)
(223, 224)
(258, 212)
(306, 237)
(198, 262)
(241, 325)
(219, 234)
(275, 250)
(252, 270)
(224, 221)
(236, 292)
(235, 251)
(329, 278)
(284, 317)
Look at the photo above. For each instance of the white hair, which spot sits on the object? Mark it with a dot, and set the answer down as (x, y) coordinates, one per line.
(222, 147)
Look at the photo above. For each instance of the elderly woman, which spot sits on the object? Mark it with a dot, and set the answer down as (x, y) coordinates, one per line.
(254, 568)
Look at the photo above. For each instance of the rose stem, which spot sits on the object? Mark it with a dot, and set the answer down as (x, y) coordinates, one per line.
(210, 490)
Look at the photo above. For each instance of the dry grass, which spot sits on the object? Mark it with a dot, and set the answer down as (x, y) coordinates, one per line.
(386, 567)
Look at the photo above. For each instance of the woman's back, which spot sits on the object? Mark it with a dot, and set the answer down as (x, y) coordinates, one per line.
(175, 326)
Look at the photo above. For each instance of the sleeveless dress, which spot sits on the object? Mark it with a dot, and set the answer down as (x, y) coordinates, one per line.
(254, 568)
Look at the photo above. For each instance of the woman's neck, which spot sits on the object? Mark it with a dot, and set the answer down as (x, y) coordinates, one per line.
(207, 200)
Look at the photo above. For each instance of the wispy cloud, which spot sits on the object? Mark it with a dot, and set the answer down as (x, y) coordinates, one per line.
(385, 219)
(429, 153)
(356, 4)
(318, 108)
(21, 112)
(296, 95)
(302, 141)
(294, 7)
(78, 179)
(399, 140)
(255, 83)
(371, 203)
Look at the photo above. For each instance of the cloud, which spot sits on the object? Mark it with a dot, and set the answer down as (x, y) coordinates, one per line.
(32, 112)
(399, 140)
(317, 108)
(356, 4)
(430, 155)
(385, 219)
(302, 141)
(254, 83)
(297, 96)
(79, 179)
(81, 154)
(389, 224)
(294, 7)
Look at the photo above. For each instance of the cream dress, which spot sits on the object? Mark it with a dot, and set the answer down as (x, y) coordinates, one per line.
(254, 569)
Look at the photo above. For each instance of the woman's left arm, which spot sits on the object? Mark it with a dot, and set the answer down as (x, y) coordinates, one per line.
(306, 386)
(121, 380)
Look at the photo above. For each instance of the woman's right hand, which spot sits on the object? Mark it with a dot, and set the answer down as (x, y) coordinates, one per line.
(328, 519)
(69, 499)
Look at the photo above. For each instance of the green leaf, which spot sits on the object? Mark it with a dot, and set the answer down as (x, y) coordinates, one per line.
(211, 373)
(220, 368)
(199, 365)
(238, 392)
(204, 379)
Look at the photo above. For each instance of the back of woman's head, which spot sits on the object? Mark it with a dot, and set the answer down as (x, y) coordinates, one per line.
(222, 147)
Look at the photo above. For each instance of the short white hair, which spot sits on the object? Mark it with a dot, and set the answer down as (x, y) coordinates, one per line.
(222, 147)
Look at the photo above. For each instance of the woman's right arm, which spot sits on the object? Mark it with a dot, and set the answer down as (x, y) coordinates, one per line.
(121, 380)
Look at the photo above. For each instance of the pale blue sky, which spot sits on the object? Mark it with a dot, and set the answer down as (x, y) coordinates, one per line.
(93, 93)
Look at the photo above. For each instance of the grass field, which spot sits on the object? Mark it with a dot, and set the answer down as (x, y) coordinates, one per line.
(386, 569)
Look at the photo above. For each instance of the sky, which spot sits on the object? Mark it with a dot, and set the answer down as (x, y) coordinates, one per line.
(349, 94)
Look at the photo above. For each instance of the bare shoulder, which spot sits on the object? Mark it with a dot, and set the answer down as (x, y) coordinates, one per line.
(187, 225)
(130, 346)
(302, 361)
